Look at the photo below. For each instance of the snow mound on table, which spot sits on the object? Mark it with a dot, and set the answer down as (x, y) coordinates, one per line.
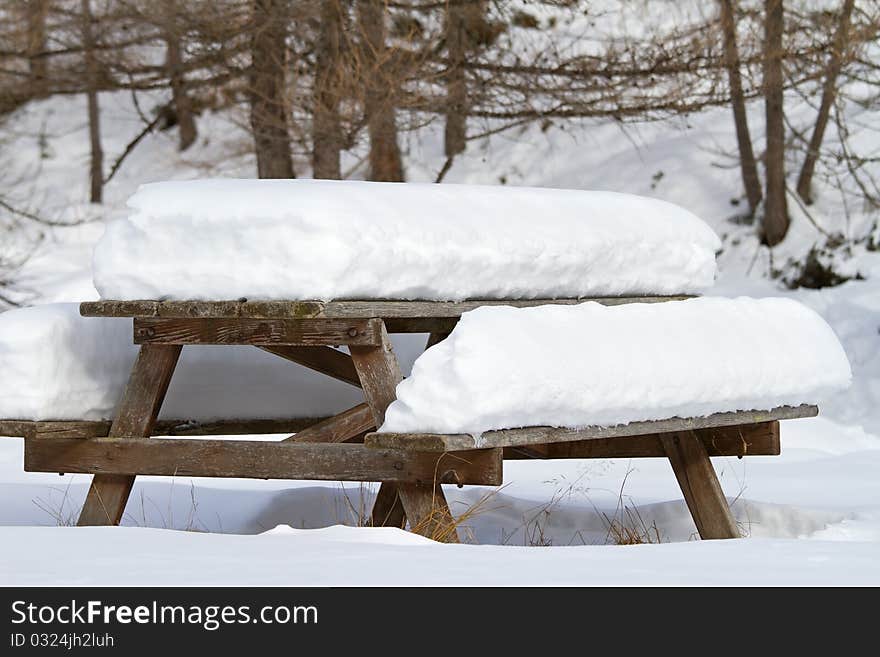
(57, 365)
(309, 239)
(584, 365)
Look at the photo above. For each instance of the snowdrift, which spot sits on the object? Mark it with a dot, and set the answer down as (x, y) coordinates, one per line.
(324, 240)
(589, 364)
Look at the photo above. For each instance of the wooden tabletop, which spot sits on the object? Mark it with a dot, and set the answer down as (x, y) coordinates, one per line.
(353, 309)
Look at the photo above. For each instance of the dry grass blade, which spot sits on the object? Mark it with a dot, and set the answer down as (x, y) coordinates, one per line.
(627, 526)
(440, 525)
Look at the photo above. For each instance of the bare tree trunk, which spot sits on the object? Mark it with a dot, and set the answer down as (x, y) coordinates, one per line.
(748, 166)
(456, 86)
(385, 160)
(776, 218)
(326, 130)
(91, 66)
(186, 124)
(267, 89)
(37, 11)
(829, 91)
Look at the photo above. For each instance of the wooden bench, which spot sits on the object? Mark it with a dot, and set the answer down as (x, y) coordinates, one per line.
(411, 468)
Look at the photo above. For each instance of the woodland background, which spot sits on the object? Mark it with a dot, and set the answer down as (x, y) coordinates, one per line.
(336, 88)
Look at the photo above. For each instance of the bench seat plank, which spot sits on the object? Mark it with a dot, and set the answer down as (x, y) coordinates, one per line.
(740, 440)
(427, 442)
(101, 428)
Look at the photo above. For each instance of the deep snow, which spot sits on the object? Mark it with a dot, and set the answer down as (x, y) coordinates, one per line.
(812, 516)
(595, 365)
(817, 505)
(307, 239)
(342, 556)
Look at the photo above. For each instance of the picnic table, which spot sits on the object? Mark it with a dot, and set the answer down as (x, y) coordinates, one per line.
(345, 447)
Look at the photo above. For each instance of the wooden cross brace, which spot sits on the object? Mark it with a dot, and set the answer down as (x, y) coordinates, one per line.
(411, 481)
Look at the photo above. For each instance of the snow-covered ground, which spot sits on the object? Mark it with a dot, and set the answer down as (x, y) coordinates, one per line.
(812, 515)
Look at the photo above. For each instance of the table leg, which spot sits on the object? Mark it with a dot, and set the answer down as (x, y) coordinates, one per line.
(424, 505)
(699, 484)
(428, 512)
(435, 337)
(387, 508)
(135, 418)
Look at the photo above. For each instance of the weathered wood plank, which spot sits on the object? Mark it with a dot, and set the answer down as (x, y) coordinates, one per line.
(127, 457)
(543, 435)
(308, 332)
(387, 508)
(428, 512)
(325, 360)
(339, 428)
(138, 308)
(420, 324)
(739, 440)
(454, 309)
(145, 391)
(424, 442)
(233, 427)
(435, 337)
(354, 309)
(135, 418)
(101, 428)
(16, 428)
(729, 443)
(699, 484)
(187, 309)
(742, 440)
(379, 373)
(271, 309)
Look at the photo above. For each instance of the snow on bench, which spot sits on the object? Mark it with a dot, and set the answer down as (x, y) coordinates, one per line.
(595, 366)
(58, 365)
(325, 240)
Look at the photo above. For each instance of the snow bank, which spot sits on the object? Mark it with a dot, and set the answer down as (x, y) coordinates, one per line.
(58, 365)
(589, 364)
(307, 239)
(382, 556)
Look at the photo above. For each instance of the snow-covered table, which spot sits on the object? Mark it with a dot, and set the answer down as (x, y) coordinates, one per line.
(410, 467)
(187, 242)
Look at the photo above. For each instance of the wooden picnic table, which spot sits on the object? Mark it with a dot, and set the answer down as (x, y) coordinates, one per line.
(344, 447)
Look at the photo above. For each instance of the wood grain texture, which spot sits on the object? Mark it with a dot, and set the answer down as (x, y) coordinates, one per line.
(387, 508)
(379, 373)
(420, 324)
(355, 309)
(125, 457)
(428, 512)
(135, 418)
(435, 337)
(325, 360)
(339, 428)
(259, 332)
(101, 428)
(429, 442)
(16, 428)
(742, 440)
(699, 485)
